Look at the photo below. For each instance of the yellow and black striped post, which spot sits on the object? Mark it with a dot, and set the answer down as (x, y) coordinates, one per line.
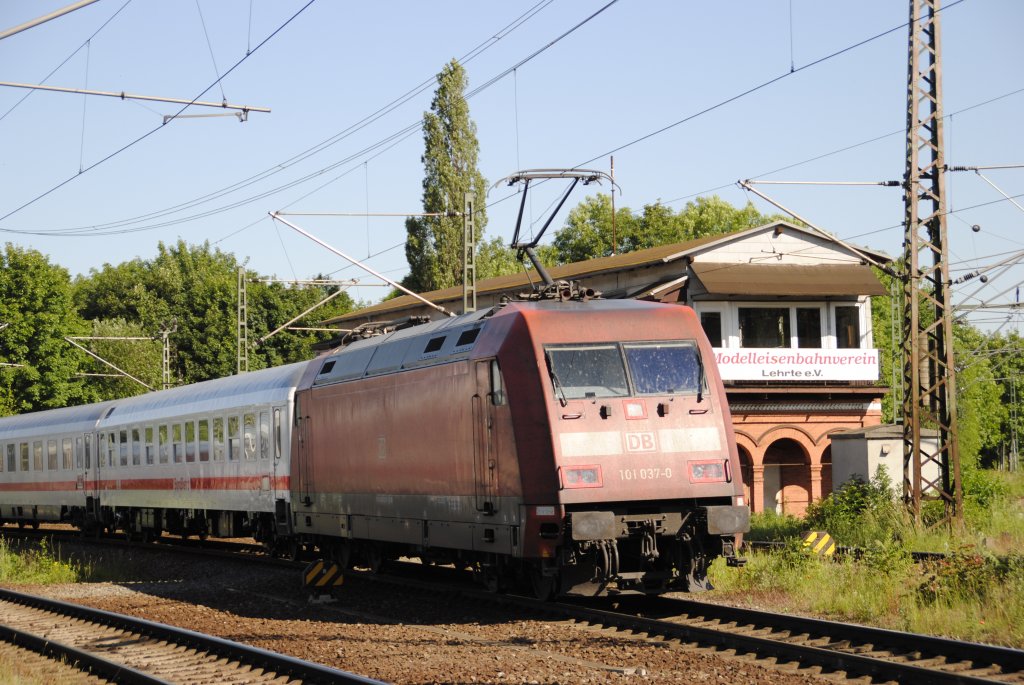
(320, 577)
(819, 542)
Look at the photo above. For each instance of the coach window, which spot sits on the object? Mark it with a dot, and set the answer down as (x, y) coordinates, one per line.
(67, 454)
(204, 439)
(277, 434)
(190, 441)
(264, 435)
(150, 447)
(218, 438)
(250, 436)
(847, 327)
(37, 455)
(12, 457)
(178, 446)
(234, 439)
(79, 453)
(123, 446)
(136, 447)
(51, 455)
(88, 451)
(24, 456)
(111, 447)
(164, 449)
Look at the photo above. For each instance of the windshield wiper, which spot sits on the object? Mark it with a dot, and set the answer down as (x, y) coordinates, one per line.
(554, 380)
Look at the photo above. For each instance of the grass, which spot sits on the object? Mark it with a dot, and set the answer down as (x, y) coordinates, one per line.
(975, 593)
(37, 565)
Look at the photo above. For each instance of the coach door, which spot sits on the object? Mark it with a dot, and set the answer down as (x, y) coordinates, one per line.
(88, 462)
(485, 452)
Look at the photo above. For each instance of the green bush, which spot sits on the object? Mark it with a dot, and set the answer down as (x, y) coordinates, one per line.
(860, 513)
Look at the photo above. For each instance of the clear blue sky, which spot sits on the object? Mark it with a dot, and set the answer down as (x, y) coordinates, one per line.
(637, 67)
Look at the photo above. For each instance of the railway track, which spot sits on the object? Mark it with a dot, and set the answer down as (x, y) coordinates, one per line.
(124, 649)
(832, 647)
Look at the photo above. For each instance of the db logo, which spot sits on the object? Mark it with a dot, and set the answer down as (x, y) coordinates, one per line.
(640, 442)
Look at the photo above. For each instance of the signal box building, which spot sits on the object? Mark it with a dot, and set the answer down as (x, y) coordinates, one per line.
(788, 312)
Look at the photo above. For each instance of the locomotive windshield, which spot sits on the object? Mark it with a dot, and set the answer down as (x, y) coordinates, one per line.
(663, 368)
(600, 370)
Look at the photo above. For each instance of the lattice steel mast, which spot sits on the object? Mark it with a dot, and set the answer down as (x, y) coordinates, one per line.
(929, 374)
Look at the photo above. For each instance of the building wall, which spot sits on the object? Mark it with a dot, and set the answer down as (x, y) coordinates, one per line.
(789, 452)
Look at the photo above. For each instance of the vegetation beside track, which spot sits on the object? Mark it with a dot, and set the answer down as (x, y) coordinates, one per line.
(975, 593)
(37, 564)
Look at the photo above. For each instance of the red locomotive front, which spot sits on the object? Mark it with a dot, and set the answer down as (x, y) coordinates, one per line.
(631, 479)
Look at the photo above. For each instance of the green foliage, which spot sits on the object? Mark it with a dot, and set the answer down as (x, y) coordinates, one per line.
(36, 305)
(434, 244)
(771, 526)
(588, 232)
(859, 513)
(36, 565)
(193, 289)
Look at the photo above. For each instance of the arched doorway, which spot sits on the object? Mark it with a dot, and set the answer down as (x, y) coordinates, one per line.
(747, 473)
(787, 477)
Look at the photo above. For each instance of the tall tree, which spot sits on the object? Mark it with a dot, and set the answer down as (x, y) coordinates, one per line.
(434, 244)
(38, 310)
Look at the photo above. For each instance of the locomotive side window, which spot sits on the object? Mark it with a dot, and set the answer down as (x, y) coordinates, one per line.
(580, 371)
(497, 383)
(663, 368)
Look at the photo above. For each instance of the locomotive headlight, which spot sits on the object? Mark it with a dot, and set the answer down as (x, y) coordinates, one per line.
(581, 477)
(707, 471)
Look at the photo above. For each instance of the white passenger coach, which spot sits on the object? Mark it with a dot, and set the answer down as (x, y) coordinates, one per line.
(209, 458)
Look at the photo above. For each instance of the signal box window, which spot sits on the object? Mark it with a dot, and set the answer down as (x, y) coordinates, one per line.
(764, 327)
(847, 328)
(808, 327)
(663, 368)
(711, 322)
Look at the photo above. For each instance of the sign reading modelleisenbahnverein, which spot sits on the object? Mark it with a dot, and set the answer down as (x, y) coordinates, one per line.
(780, 364)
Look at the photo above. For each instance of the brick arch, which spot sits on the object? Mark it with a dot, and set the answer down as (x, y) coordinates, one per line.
(788, 487)
(746, 472)
(788, 430)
